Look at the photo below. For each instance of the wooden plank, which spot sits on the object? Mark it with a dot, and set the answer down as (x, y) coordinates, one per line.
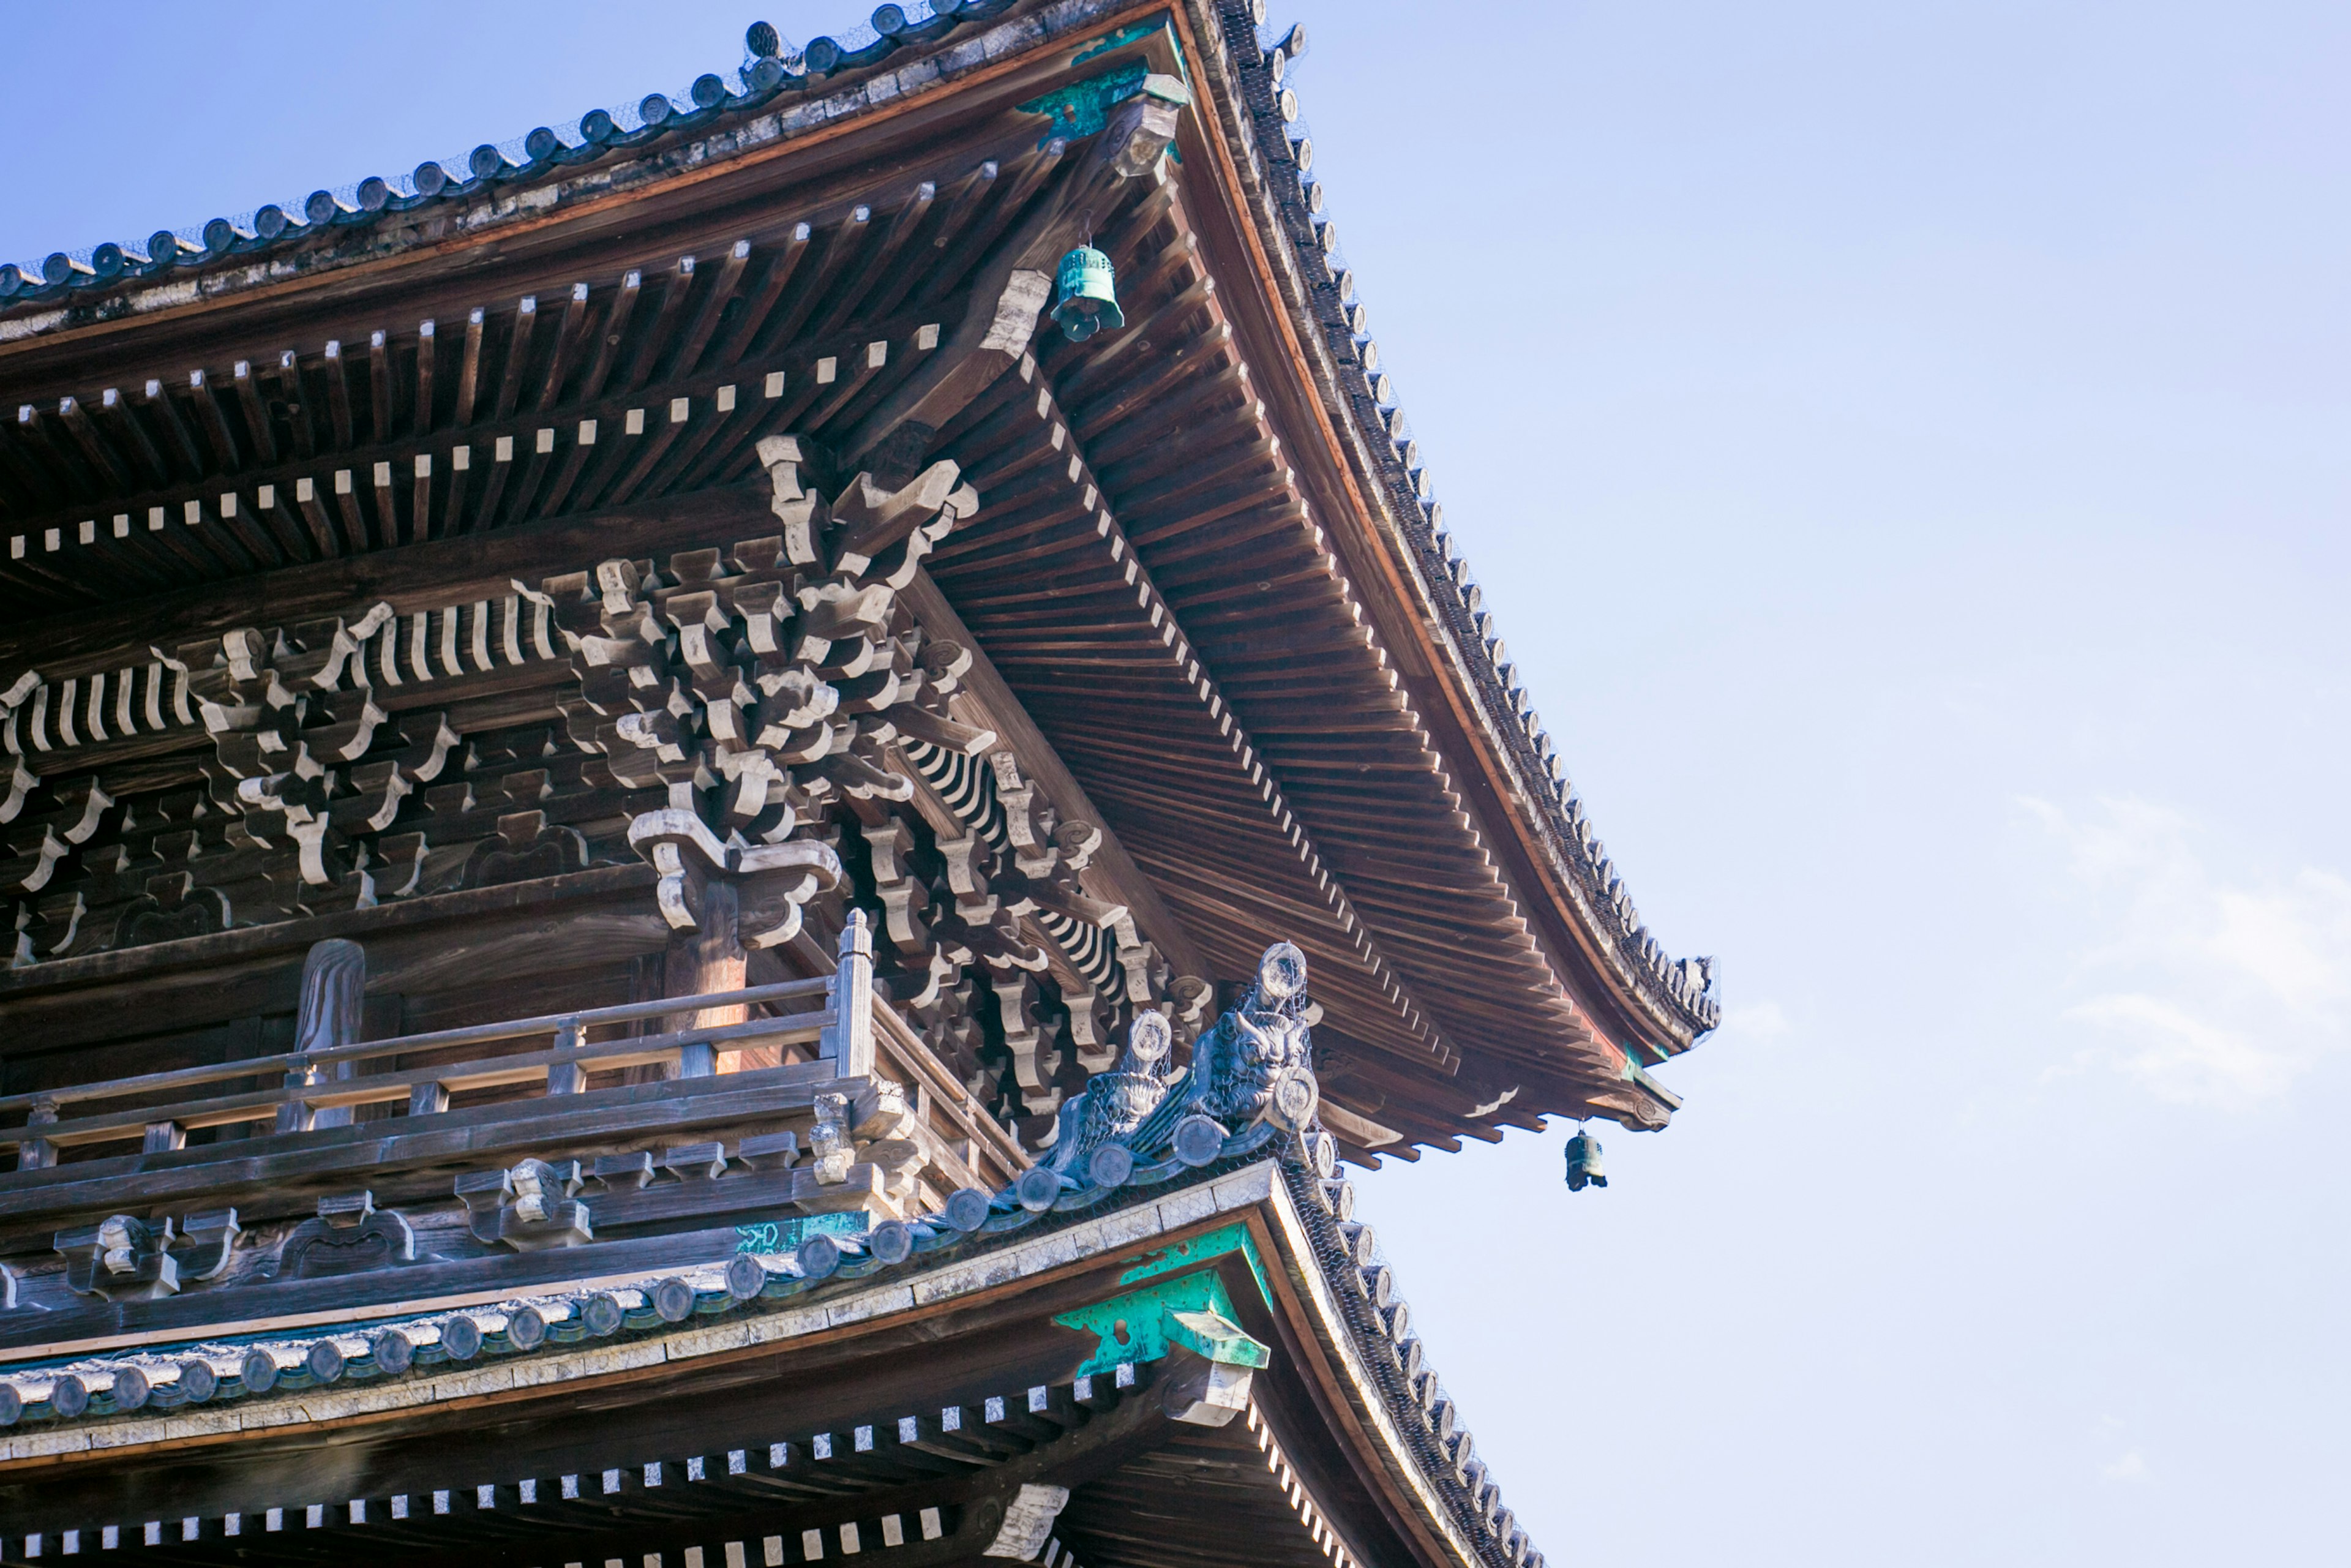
(67, 974)
(289, 1304)
(253, 1168)
(1120, 880)
(378, 1087)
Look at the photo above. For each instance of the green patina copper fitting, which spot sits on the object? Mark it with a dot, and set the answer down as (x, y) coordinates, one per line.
(1214, 1336)
(783, 1235)
(1202, 1248)
(1083, 108)
(1088, 294)
(1139, 31)
(1191, 1311)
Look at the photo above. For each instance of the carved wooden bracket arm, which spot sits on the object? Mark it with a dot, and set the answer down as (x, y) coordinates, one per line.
(773, 881)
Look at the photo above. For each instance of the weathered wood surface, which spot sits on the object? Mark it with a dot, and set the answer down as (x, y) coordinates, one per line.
(212, 952)
(839, 314)
(307, 1087)
(251, 1169)
(280, 1305)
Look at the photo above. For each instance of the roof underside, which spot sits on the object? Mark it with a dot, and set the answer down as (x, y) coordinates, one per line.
(1171, 570)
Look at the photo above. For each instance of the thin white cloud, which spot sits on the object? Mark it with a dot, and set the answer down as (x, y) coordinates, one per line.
(1757, 1021)
(2177, 1055)
(2204, 989)
(2130, 1468)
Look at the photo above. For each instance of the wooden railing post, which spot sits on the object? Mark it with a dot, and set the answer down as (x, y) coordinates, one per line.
(295, 1116)
(39, 1153)
(850, 1042)
(567, 1077)
(698, 1059)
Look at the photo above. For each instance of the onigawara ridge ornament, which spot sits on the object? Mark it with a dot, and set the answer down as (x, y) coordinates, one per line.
(1251, 1077)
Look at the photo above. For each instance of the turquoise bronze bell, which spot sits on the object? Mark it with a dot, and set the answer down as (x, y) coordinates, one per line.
(1583, 1168)
(1087, 295)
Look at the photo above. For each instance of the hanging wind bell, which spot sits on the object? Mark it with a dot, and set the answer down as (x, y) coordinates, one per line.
(1088, 294)
(1583, 1168)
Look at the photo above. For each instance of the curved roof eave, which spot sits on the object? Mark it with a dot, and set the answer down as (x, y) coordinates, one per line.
(1666, 1002)
(1662, 1002)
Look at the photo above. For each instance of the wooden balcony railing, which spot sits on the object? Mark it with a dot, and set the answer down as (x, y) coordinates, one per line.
(317, 1082)
(325, 1087)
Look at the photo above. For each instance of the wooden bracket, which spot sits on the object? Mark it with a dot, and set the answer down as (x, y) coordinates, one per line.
(1011, 289)
(120, 1259)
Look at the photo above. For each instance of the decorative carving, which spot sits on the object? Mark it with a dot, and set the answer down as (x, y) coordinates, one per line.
(526, 847)
(172, 907)
(1258, 1060)
(206, 1243)
(1255, 1067)
(760, 686)
(120, 1259)
(763, 688)
(333, 974)
(773, 881)
(307, 780)
(1136, 104)
(985, 898)
(830, 1143)
(529, 1207)
(350, 1236)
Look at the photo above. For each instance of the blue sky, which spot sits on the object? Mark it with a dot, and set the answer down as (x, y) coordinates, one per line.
(1905, 447)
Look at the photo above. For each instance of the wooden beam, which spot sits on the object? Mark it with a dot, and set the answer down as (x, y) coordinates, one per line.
(616, 330)
(426, 339)
(469, 367)
(757, 308)
(1012, 286)
(1113, 870)
(380, 379)
(339, 393)
(566, 349)
(525, 323)
(713, 308)
(257, 414)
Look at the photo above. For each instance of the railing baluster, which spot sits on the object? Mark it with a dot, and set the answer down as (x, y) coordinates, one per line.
(698, 1059)
(39, 1153)
(567, 1077)
(162, 1137)
(297, 1115)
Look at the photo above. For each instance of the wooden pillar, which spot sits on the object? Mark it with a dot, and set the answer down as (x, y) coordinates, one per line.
(708, 958)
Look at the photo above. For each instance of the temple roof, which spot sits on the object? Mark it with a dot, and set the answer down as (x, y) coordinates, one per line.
(1466, 825)
(1292, 1261)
